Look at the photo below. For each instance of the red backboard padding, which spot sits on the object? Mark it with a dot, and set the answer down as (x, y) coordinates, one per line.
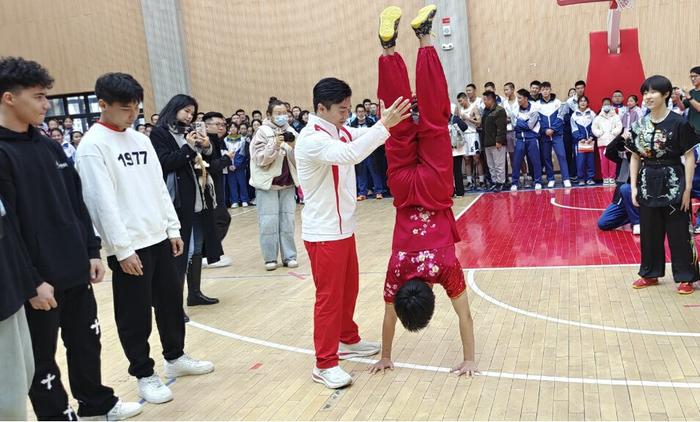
(608, 72)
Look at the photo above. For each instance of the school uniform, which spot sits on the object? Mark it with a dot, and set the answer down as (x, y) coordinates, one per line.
(551, 117)
(114, 164)
(527, 128)
(581, 130)
(43, 191)
(237, 182)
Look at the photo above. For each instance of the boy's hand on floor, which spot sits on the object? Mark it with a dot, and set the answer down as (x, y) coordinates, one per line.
(97, 271)
(44, 300)
(467, 367)
(381, 365)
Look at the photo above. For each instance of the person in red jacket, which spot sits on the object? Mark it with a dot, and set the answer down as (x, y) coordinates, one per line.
(420, 177)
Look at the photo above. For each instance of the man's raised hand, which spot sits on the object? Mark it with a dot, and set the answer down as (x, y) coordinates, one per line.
(398, 112)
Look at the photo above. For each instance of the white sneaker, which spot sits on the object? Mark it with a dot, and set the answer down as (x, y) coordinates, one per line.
(550, 185)
(245, 204)
(333, 377)
(224, 261)
(360, 349)
(205, 263)
(636, 230)
(538, 186)
(567, 183)
(153, 390)
(292, 263)
(123, 410)
(270, 266)
(234, 205)
(514, 188)
(185, 365)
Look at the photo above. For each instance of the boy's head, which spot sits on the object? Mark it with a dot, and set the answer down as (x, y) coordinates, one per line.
(695, 76)
(23, 88)
(331, 98)
(414, 303)
(119, 96)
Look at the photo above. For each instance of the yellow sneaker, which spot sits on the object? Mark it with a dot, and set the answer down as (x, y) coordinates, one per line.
(389, 25)
(423, 23)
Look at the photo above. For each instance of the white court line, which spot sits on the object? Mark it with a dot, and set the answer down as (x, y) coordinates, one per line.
(552, 267)
(472, 285)
(468, 206)
(493, 374)
(554, 202)
(244, 212)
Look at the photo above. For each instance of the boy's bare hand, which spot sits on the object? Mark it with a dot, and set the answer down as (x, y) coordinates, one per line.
(381, 365)
(467, 367)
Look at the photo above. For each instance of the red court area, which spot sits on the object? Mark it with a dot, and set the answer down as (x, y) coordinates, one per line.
(525, 229)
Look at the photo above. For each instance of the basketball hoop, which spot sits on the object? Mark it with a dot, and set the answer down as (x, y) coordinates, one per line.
(614, 13)
(621, 4)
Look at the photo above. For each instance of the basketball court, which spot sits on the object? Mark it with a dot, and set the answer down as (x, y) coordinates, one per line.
(565, 339)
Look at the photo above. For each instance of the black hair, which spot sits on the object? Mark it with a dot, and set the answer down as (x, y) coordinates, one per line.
(256, 120)
(149, 125)
(137, 126)
(201, 112)
(471, 86)
(414, 304)
(616, 91)
(168, 115)
(366, 100)
(74, 132)
(657, 83)
(329, 91)
(695, 70)
(232, 124)
(303, 112)
(524, 92)
(272, 104)
(374, 104)
(606, 99)
(461, 95)
(297, 107)
(155, 114)
(118, 87)
(545, 84)
(579, 83)
(489, 94)
(54, 119)
(241, 110)
(636, 99)
(490, 84)
(360, 106)
(536, 82)
(583, 97)
(257, 111)
(56, 129)
(68, 117)
(510, 84)
(212, 115)
(16, 72)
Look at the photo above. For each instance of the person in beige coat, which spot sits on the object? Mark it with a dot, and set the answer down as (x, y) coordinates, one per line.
(273, 174)
(606, 126)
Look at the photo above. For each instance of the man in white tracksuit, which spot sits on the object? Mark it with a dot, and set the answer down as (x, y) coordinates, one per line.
(326, 153)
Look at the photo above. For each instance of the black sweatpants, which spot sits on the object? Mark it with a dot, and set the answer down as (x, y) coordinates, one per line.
(457, 173)
(657, 224)
(76, 316)
(159, 287)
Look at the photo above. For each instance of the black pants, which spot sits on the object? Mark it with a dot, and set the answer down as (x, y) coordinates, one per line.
(222, 221)
(670, 222)
(570, 153)
(76, 316)
(457, 173)
(159, 287)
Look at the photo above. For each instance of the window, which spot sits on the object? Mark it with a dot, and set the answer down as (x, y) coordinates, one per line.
(82, 107)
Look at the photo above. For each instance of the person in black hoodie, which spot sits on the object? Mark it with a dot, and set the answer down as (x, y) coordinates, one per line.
(43, 190)
(18, 283)
(180, 152)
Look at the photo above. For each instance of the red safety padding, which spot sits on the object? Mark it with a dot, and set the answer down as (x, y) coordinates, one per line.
(608, 72)
(570, 2)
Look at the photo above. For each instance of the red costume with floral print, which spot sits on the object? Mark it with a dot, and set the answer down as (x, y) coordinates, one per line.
(419, 157)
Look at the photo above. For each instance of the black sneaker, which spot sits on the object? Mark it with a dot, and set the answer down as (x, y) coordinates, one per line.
(423, 23)
(389, 25)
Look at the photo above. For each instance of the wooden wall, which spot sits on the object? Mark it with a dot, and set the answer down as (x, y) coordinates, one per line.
(78, 40)
(518, 41)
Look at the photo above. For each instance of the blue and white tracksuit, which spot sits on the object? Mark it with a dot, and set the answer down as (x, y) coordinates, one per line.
(527, 127)
(581, 124)
(236, 180)
(552, 117)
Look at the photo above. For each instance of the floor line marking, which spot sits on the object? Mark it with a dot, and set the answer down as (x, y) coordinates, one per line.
(553, 201)
(468, 206)
(473, 286)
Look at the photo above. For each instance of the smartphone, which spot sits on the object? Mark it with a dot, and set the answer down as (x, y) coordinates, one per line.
(201, 129)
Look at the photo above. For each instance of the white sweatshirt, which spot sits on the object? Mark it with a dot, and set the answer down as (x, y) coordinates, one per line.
(124, 190)
(326, 159)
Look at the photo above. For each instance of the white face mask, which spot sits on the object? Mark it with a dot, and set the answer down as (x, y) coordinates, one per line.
(606, 109)
(280, 120)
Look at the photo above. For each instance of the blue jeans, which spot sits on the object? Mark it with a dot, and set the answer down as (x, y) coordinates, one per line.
(532, 150)
(364, 171)
(617, 215)
(237, 186)
(586, 165)
(546, 145)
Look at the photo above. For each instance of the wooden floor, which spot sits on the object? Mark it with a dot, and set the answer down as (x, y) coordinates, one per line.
(555, 344)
